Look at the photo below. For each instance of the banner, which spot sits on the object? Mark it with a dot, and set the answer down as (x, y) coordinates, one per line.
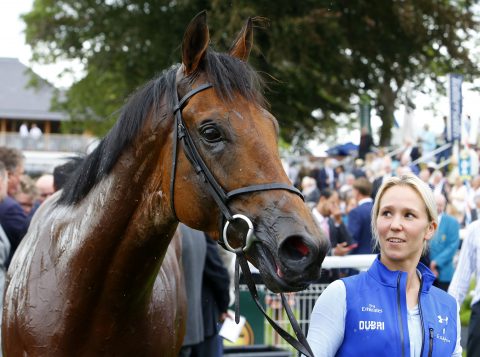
(365, 109)
(455, 126)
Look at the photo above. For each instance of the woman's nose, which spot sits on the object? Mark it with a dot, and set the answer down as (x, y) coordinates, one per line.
(396, 223)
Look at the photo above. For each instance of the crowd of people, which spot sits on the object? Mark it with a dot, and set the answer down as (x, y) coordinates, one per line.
(349, 198)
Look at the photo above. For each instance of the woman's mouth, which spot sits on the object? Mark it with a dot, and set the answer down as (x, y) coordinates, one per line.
(395, 240)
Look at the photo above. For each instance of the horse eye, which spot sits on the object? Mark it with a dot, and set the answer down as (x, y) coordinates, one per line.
(211, 134)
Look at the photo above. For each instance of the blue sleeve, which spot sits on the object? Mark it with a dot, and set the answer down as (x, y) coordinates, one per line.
(451, 244)
(14, 223)
(354, 224)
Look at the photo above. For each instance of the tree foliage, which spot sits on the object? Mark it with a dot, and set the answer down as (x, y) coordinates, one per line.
(317, 56)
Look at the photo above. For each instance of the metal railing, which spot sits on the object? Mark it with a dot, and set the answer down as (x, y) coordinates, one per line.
(301, 302)
(432, 154)
(49, 142)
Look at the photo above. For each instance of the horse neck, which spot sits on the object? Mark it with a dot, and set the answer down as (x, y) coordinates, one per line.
(136, 209)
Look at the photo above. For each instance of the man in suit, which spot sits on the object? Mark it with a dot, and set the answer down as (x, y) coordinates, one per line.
(444, 245)
(12, 217)
(326, 176)
(328, 216)
(359, 218)
(207, 284)
(4, 242)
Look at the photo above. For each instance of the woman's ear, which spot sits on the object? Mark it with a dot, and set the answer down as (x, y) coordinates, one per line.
(432, 227)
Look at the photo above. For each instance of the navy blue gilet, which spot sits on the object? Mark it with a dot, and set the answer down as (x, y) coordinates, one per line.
(376, 318)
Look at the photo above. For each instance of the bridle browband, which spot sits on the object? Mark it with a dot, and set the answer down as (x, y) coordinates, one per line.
(222, 199)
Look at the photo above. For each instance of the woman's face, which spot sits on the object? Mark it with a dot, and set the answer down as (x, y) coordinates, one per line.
(403, 226)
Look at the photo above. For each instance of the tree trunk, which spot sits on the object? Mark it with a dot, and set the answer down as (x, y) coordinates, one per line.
(386, 109)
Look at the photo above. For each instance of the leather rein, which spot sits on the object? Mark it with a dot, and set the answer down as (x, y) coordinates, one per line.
(222, 198)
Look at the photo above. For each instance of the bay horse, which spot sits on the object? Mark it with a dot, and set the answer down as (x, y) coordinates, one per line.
(98, 272)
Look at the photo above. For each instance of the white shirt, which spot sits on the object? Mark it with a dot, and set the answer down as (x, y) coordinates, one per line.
(468, 264)
(364, 200)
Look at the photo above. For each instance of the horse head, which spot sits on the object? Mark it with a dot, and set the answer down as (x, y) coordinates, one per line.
(224, 116)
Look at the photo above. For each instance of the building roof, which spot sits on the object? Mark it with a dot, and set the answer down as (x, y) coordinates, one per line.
(18, 100)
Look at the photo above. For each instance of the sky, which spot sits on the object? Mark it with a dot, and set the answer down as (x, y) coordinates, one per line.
(12, 44)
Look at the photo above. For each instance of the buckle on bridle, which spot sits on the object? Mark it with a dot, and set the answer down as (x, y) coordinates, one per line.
(249, 238)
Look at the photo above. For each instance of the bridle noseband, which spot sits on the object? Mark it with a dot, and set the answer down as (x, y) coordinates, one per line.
(222, 198)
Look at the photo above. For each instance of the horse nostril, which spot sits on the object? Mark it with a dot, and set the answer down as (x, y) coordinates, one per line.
(294, 248)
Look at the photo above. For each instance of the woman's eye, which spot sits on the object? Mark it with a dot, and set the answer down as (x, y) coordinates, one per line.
(211, 134)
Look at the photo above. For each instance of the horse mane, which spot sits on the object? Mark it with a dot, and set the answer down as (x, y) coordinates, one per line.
(228, 75)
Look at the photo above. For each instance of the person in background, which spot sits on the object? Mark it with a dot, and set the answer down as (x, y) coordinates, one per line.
(326, 176)
(393, 308)
(4, 241)
(27, 195)
(207, 284)
(23, 131)
(387, 172)
(458, 198)
(44, 185)
(12, 218)
(472, 211)
(310, 190)
(359, 218)
(215, 299)
(35, 134)
(425, 175)
(14, 161)
(440, 184)
(366, 143)
(468, 265)
(350, 203)
(444, 245)
(358, 169)
(194, 251)
(341, 176)
(345, 190)
(428, 141)
(328, 216)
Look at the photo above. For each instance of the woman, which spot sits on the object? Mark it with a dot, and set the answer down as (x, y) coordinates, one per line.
(392, 309)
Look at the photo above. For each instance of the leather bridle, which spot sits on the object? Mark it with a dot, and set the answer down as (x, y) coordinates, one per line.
(222, 199)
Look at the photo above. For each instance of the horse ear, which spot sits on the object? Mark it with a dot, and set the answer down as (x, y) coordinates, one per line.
(195, 42)
(243, 44)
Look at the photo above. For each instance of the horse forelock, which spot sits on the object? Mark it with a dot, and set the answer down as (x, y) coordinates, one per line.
(229, 76)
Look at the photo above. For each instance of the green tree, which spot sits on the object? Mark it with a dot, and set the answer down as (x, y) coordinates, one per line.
(328, 54)
(318, 56)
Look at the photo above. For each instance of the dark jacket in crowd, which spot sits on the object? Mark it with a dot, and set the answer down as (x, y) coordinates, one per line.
(14, 223)
(215, 291)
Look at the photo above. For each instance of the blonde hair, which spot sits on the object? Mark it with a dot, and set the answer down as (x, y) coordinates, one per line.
(415, 183)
